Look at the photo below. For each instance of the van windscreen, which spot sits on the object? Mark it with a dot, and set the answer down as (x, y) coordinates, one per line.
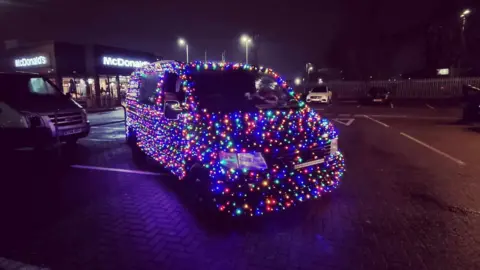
(24, 86)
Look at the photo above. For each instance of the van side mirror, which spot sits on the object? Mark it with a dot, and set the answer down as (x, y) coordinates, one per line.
(172, 109)
(292, 102)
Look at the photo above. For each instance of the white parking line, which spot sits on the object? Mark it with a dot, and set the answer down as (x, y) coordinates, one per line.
(456, 160)
(382, 115)
(95, 168)
(376, 121)
(408, 117)
(431, 107)
(344, 115)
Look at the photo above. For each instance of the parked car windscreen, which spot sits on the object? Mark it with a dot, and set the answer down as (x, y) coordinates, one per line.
(471, 93)
(319, 89)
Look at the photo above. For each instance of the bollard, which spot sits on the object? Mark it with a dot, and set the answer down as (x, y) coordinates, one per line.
(125, 120)
(57, 136)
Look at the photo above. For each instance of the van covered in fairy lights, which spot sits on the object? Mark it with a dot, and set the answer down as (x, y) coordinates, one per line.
(259, 148)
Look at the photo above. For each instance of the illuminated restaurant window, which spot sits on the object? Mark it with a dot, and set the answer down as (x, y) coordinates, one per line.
(77, 87)
(108, 86)
(91, 85)
(124, 81)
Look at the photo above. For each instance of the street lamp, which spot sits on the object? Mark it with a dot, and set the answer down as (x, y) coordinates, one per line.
(298, 81)
(464, 15)
(246, 40)
(181, 43)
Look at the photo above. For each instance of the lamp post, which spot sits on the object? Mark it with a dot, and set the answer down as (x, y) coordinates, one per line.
(246, 40)
(463, 16)
(182, 43)
(223, 56)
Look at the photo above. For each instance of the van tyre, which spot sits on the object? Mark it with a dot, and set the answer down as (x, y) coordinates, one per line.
(138, 155)
(197, 179)
(131, 138)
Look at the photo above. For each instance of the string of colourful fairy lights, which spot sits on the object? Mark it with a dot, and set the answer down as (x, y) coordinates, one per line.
(285, 138)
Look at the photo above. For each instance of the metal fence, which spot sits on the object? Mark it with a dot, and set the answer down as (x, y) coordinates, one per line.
(423, 88)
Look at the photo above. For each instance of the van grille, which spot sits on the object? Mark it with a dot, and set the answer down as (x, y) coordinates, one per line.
(67, 119)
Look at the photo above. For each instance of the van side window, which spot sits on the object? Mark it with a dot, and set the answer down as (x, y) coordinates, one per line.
(172, 88)
(148, 89)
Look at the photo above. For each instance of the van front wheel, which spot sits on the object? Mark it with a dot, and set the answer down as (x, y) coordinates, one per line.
(138, 155)
(198, 181)
(131, 138)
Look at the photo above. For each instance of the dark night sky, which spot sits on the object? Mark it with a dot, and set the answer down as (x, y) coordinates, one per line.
(291, 33)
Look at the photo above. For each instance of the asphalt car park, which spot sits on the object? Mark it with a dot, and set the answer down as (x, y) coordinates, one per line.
(409, 200)
(355, 109)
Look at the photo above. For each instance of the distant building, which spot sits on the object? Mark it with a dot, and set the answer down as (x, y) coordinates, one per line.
(95, 69)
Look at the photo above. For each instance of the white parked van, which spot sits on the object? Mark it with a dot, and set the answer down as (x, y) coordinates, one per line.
(35, 113)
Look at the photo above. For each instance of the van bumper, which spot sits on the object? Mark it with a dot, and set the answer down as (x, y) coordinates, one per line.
(24, 137)
(35, 137)
(269, 197)
(85, 130)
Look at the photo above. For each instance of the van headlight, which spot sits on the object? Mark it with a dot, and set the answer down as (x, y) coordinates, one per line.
(32, 120)
(84, 115)
(35, 121)
(334, 146)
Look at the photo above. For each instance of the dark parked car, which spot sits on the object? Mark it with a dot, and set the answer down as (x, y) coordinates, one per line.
(471, 107)
(376, 95)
